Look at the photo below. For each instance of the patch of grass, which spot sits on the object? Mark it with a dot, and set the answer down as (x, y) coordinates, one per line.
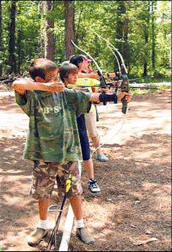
(141, 91)
(150, 79)
(138, 91)
(164, 87)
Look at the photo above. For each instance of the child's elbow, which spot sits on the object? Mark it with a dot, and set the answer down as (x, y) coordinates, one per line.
(15, 84)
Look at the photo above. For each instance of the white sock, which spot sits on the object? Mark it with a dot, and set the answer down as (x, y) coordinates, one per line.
(43, 224)
(79, 223)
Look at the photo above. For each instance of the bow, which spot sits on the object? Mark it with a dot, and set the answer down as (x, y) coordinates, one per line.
(123, 73)
(119, 67)
(102, 84)
(102, 79)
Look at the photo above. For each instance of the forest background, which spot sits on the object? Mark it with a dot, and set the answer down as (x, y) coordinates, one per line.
(133, 210)
(141, 30)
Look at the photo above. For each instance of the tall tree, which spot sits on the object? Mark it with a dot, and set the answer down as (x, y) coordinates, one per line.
(1, 44)
(146, 36)
(19, 42)
(12, 59)
(69, 27)
(153, 33)
(49, 30)
(122, 30)
(128, 26)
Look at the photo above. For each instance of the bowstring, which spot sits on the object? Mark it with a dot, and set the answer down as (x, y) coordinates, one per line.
(111, 136)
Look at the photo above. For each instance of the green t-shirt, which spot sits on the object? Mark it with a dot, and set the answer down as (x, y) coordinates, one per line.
(53, 132)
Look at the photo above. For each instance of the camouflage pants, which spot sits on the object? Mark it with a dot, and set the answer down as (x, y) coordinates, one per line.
(44, 176)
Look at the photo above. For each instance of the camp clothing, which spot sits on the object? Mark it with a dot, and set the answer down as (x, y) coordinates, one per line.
(88, 83)
(108, 97)
(90, 120)
(44, 176)
(53, 132)
(85, 145)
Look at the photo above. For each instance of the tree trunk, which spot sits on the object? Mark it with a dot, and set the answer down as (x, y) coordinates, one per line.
(122, 32)
(49, 32)
(120, 25)
(41, 38)
(19, 50)
(145, 55)
(1, 44)
(69, 27)
(146, 35)
(153, 37)
(12, 60)
(19, 43)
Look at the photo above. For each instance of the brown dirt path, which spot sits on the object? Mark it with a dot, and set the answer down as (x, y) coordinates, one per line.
(132, 212)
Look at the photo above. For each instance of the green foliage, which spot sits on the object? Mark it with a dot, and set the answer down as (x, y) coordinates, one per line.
(104, 17)
(164, 87)
(152, 79)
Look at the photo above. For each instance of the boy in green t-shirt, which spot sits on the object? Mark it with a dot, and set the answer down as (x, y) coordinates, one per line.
(53, 141)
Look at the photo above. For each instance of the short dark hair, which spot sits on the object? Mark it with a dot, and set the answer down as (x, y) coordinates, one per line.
(40, 66)
(76, 59)
(65, 69)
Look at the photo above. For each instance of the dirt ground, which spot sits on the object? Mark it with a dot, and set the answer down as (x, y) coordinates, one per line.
(133, 210)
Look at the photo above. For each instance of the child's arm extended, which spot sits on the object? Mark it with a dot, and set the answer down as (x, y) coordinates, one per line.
(88, 75)
(21, 85)
(97, 97)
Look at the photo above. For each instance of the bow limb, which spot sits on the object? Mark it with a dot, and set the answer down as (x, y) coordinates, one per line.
(120, 55)
(118, 63)
(87, 55)
(110, 48)
(102, 79)
(125, 81)
(116, 50)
